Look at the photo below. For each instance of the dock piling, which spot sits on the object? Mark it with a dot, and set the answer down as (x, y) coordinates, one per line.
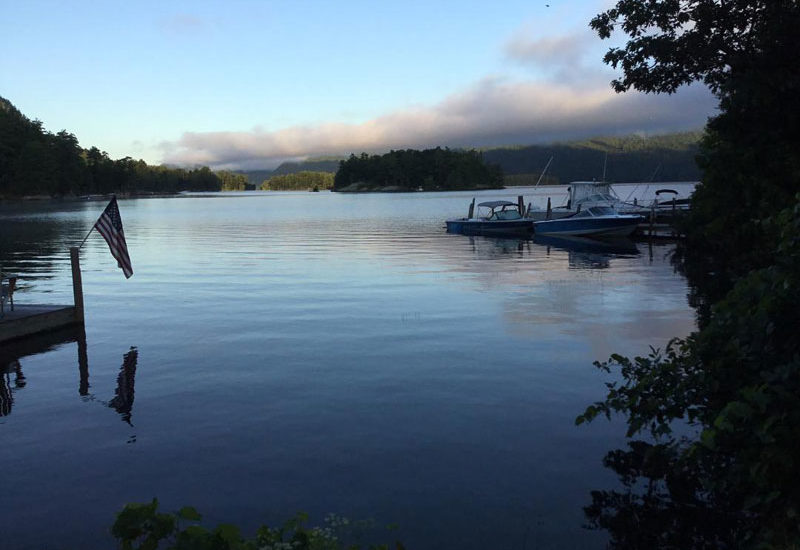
(77, 285)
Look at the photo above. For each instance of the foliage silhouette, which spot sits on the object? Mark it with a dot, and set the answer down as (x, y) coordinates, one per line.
(140, 526)
(736, 380)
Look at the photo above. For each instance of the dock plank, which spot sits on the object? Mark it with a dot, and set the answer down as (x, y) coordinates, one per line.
(31, 319)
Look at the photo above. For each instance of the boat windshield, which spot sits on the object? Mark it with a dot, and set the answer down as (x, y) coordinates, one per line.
(600, 198)
(601, 211)
(505, 215)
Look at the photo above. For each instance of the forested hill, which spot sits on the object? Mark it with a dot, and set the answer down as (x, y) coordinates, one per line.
(626, 159)
(325, 164)
(669, 157)
(35, 162)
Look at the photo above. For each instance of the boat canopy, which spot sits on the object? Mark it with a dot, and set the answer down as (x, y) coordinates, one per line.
(497, 204)
(586, 191)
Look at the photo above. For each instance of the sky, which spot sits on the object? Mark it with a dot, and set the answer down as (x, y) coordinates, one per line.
(248, 84)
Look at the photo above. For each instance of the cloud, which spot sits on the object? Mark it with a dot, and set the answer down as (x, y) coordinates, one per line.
(492, 112)
(549, 51)
(567, 99)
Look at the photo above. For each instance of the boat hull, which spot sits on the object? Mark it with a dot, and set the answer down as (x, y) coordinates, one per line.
(485, 227)
(620, 226)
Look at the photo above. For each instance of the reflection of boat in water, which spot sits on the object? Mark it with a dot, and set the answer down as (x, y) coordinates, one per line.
(594, 220)
(500, 218)
(616, 246)
(587, 252)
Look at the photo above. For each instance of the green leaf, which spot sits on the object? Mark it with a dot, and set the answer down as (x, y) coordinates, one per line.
(189, 513)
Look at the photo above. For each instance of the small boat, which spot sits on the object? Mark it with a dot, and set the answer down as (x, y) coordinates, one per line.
(594, 220)
(582, 194)
(493, 218)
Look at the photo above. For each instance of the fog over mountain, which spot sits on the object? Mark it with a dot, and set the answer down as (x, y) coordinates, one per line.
(554, 88)
(493, 112)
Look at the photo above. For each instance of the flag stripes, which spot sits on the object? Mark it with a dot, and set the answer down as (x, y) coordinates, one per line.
(109, 225)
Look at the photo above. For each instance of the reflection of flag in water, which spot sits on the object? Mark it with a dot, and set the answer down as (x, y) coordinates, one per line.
(110, 227)
(123, 398)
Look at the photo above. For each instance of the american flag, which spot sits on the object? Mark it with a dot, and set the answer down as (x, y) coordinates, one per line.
(110, 227)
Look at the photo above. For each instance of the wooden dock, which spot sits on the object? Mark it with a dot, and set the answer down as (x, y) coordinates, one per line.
(31, 319)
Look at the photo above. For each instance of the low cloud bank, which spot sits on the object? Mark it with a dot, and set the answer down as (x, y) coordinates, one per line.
(493, 112)
(567, 97)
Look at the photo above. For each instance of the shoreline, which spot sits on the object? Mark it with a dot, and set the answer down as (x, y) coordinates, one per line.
(86, 198)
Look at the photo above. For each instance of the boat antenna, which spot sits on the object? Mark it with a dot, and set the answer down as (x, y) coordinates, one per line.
(543, 172)
(605, 161)
(652, 177)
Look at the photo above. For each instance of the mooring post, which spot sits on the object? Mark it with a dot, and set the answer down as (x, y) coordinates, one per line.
(77, 285)
(652, 217)
(471, 209)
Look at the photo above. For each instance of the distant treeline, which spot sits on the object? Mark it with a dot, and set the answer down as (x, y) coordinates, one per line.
(232, 181)
(410, 170)
(299, 181)
(34, 161)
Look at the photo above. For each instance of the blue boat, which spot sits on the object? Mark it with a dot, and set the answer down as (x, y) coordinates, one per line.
(595, 220)
(494, 218)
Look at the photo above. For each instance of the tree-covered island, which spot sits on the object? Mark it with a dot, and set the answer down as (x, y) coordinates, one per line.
(304, 180)
(410, 170)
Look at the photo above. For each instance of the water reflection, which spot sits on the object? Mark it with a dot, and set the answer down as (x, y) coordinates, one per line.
(586, 252)
(122, 402)
(36, 238)
(6, 397)
(661, 506)
(10, 364)
(582, 252)
(501, 245)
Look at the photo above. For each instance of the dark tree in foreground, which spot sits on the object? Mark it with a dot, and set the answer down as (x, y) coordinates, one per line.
(747, 52)
(736, 380)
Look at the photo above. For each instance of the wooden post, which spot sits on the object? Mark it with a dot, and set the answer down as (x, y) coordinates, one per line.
(77, 285)
(521, 205)
(652, 217)
(549, 210)
(471, 209)
(672, 223)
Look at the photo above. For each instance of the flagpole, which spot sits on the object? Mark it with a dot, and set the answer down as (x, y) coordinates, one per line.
(86, 237)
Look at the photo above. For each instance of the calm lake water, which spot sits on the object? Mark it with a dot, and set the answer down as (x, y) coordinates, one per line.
(324, 353)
